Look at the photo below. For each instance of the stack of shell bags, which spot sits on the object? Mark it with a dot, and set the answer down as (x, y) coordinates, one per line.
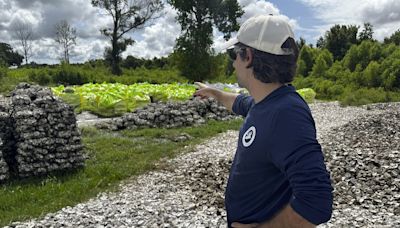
(45, 130)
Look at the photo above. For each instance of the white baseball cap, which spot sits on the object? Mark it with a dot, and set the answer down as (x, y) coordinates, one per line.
(265, 33)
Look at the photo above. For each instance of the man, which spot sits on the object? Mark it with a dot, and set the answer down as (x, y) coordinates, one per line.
(278, 177)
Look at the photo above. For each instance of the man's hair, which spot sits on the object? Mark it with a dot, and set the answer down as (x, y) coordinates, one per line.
(274, 68)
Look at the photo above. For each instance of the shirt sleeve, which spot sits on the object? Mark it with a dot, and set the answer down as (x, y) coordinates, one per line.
(297, 153)
(242, 105)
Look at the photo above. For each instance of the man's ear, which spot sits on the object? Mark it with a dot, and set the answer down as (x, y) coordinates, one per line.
(249, 58)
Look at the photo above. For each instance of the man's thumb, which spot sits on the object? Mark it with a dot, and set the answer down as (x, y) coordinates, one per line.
(201, 85)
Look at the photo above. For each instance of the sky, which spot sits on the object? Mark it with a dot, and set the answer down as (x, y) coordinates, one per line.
(310, 19)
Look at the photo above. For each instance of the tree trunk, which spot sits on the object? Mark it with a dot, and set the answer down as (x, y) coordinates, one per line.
(115, 69)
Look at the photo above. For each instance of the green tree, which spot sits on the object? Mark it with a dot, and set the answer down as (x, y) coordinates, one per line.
(389, 49)
(327, 56)
(127, 16)
(301, 68)
(305, 61)
(362, 55)
(193, 48)
(337, 72)
(8, 56)
(321, 43)
(391, 69)
(351, 59)
(394, 38)
(372, 75)
(300, 43)
(367, 32)
(391, 76)
(339, 39)
(320, 67)
(322, 63)
(132, 62)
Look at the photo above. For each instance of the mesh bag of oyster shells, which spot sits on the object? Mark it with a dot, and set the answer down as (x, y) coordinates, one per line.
(3, 165)
(45, 130)
(5, 139)
(363, 158)
(171, 114)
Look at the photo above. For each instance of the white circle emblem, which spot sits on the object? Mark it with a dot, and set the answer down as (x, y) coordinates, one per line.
(249, 136)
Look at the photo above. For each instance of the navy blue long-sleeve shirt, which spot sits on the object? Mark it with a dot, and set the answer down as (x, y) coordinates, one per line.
(278, 161)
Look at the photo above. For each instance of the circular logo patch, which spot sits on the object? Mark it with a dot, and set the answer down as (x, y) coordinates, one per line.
(249, 136)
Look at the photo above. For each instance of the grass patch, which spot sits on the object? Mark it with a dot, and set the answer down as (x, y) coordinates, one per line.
(113, 157)
(8, 83)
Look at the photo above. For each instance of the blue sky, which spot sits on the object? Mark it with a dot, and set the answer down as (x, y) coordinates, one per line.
(297, 11)
(309, 18)
(303, 14)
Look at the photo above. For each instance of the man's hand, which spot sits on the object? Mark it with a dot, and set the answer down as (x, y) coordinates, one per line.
(224, 98)
(204, 91)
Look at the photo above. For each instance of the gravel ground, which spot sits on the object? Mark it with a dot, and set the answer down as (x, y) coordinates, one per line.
(188, 192)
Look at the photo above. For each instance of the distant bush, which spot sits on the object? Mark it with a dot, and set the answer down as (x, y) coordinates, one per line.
(367, 95)
(68, 75)
(3, 72)
(3, 68)
(301, 82)
(42, 76)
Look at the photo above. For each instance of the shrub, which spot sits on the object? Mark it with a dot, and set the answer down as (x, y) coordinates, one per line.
(322, 87)
(372, 75)
(335, 91)
(42, 77)
(365, 96)
(3, 68)
(68, 75)
(303, 82)
(3, 72)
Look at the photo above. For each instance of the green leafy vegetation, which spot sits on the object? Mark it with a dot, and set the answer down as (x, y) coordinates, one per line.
(113, 157)
(307, 94)
(115, 99)
(111, 99)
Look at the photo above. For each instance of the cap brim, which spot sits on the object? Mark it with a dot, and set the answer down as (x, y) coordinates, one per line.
(229, 44)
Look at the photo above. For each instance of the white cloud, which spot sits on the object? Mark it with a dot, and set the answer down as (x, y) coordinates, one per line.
(253, 8)
(157, 39)
(42, 15)
(45, 51)
(88, 49)
(382, 14)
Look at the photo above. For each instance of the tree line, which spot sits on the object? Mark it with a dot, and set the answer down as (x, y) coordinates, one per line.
(351, 66)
